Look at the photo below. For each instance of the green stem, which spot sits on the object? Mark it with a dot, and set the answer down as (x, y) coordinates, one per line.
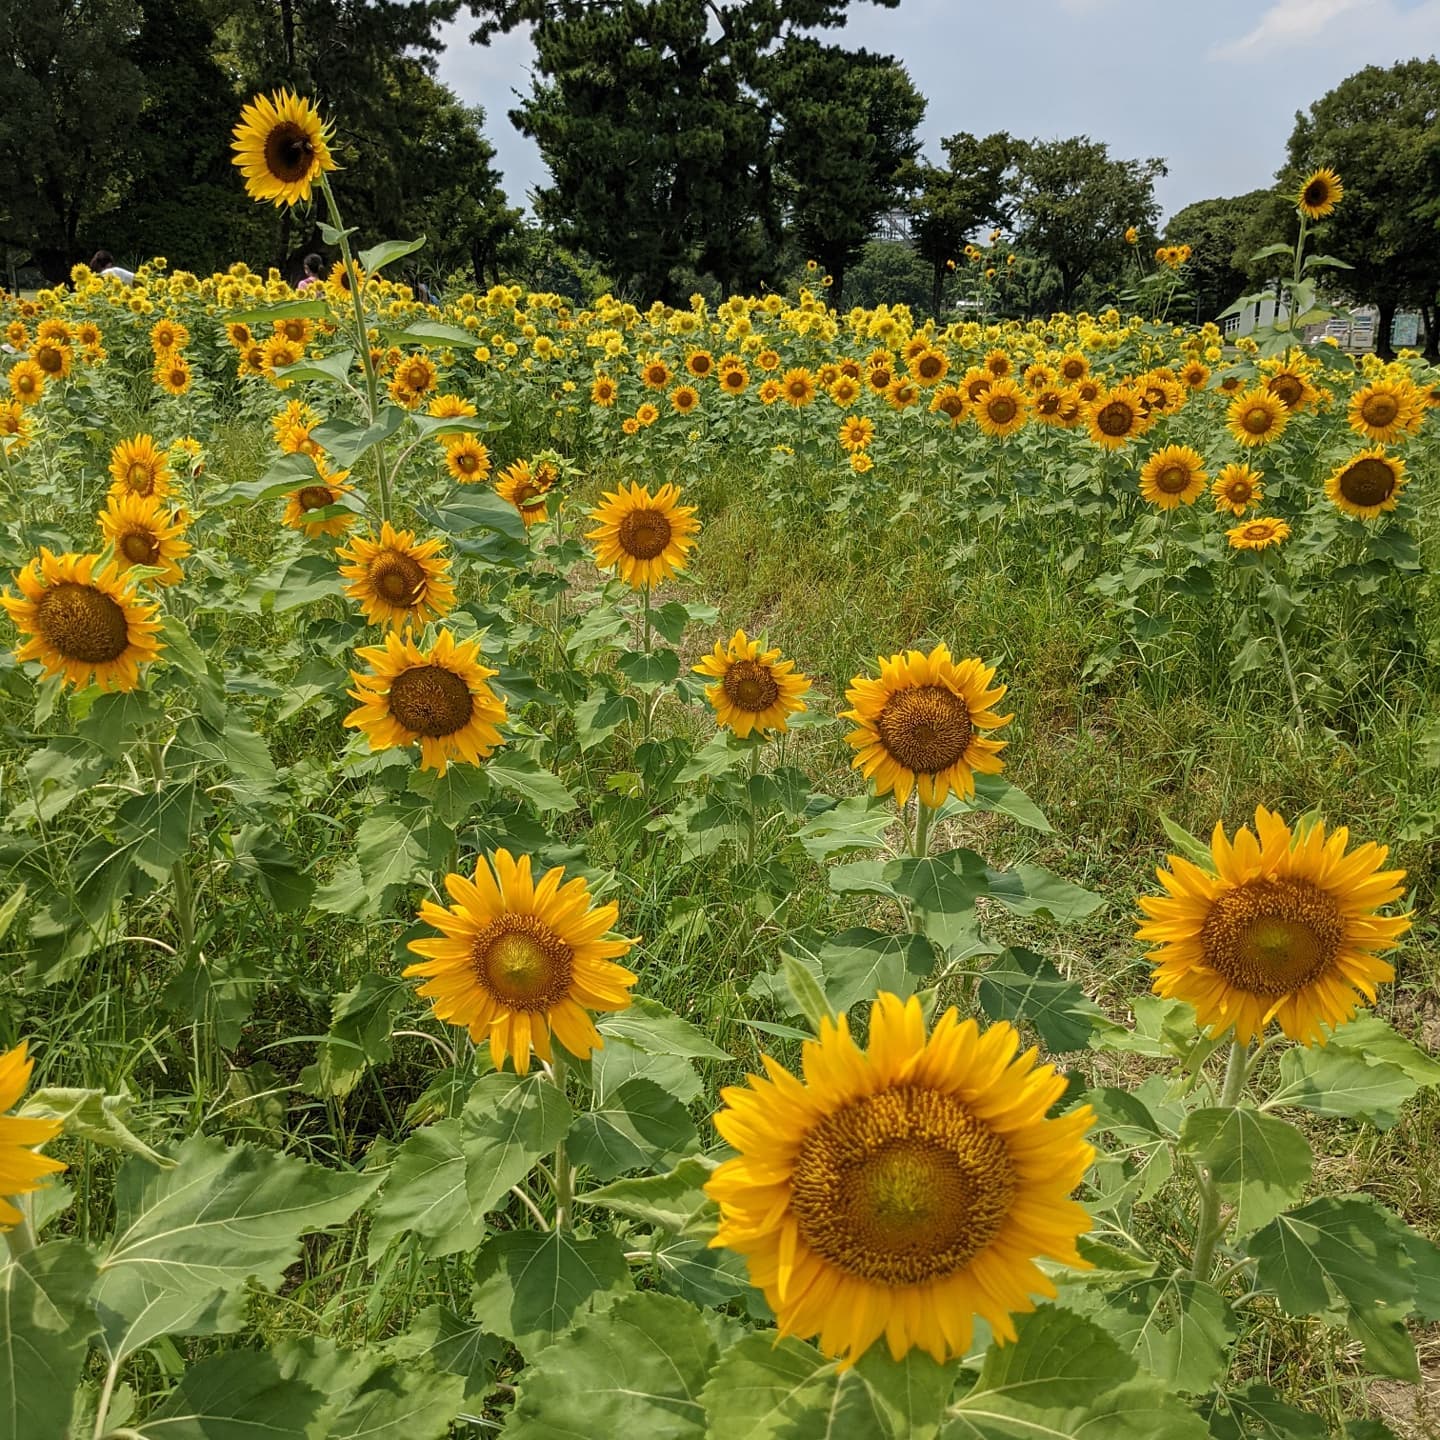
(563, 1180)
(923, 815)
(1289, 676)
(372, 383)
(649, 702)
(750, 796)
(1208, 1226)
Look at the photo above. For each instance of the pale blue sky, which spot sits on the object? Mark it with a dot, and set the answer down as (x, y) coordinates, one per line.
(1212, 87)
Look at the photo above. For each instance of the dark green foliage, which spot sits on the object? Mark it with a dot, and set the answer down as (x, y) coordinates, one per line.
(1218, 260)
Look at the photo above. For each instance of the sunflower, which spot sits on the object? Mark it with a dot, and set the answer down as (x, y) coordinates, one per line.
(467, 460)
(17, 335)
(929, 366)
(237, 332)
(1173, 477)
(1002, 409)
(797, 387)
(281, 147)
(1237, 488)
(1052, 405)
(84, 625)
(1383, 411)
(602, 392)
(699, 363)
(1115, 417)
(1194, 374)
(856, 432)
(949, 400)
(1294, 390)
(768, 359)
(145, 531)
(172, 373)
(525, 487)
(1256, 417)
(296, 328)
(646, 415)
(1073, 367)
(645, 537)
(323, 492)
(734, 379)
(1038, 376)
(54, 357)
(22, 1169)
(861, 463)
(451, 407)
(998, 363)
(878, 378)
(757, 691)
(1367, 484)
(1282, 926)
(27, 381)
(919, 725)
(1257, 534)
(167, 335)
(337, 282)
(15, 423)
(844, 390)
(1320, 194)
(518, 962)
(903, 1189)
(902, 392)
(684, 399)
(396, 581)
(655, 374)
(139, 468)
(974, 383)
(440, 700)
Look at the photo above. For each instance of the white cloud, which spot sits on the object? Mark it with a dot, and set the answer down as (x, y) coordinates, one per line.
(1288, 23)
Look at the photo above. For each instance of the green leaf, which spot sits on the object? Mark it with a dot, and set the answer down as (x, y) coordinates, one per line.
(805, 991)
(1329, 1080)
(720, 755)
(395, 843)
(1177, 1328)
(377, 257)
(1257, 1410)
(509, 1121)
(236, 1395)
(468, 510)
(601, 713)
(1034, 890)
(94, 1116)
(858, 823)
(334, 368)
(943, 889)
(649, 672)
(994, 792)
(529, 1287)
(1190, 846)
(345, 441)
(650, 1026)
(1022, 985)
(221, 1217)
(436, 332)
(427, 1195)
(690, 1269)
(514, 771)
(157, 825)
(638, 1369)
(359, 1035)
(286, 310)
(46, 1322)
(1337, 1249)
(1259, 1164)
(674, 1201)
(369, 1397)
(639, 1126)
(438, 1336)
(857, 964)
(1370, 1037)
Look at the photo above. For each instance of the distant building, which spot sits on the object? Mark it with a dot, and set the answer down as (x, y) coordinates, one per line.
(1353, 330)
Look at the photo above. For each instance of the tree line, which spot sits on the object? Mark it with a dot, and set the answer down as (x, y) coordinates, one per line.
(690, 143)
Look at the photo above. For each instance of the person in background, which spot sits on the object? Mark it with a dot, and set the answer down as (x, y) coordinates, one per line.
(103, 264)
(314, 272)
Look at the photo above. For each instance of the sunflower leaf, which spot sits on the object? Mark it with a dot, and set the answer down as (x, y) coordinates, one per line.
(377, 257)
(638, 1127)
(1259, 1164)
(515, 771)
(1331, 1080)
(1024, 985)
(426, 1195)
(236, 1395)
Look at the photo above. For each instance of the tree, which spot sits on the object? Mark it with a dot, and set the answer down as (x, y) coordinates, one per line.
(1381, 130)
(1074, 204)
(70, 97)
(847, 130)
(949, 202)
(1217, 232)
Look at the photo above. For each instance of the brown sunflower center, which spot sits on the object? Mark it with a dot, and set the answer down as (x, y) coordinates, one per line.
(1367, 482)
(1380, 410)
(1072, 369)
(644, 533)
(1001, 409)
(140, 478)
(733, 379)
(398, 578)
(49, 359)
(750, 685)
(83, 623)
(1257, 420)
(1238, 492)
(1258, 531)
(880, 377)
(289, 152)
(1115, 418)
(1287, 389)
(927, 728)
(431, 700)
(930, 366)
(1272, 937)
(522, 962)
(901, 1187)
(953, 406)
(315, 497)
(140, 547)
(1172, 479)
(1317, 193)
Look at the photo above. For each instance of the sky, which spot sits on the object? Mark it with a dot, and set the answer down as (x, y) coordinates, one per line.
(1211, 88)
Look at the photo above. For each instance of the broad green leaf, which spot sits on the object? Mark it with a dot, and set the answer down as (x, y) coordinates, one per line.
(857, 964)
(1022, 985)
(285, 310)
(617, 1061)
(721, 754)
(1329, 1080)
(519, 774)
(531, 1287)
(1389, 1350)
(650, 1026)
(858, 823)
(674, 1201)
(1370, 1037)
(436, 332)
(395, 843)
(690, 1269)
(943, 889)
(601, 713)
(387, 252)
(509, 1122)
(908, 1395)
(1177, 1328)
(649, 672)
(637, 1370)
(359, 1035)
(426, 1194)
(334, 368)
(638, 1127)
(994, 792)
(1192, 847)
(1259, 1412)
(465, 511)
(1260, 1164)
(236, 1395)
(186, 1236)
(46, 1322)
(397, 1402)
(157, 825)
(94, 1116)
(805, 991)
(345, 441)
(1034, 890)
(438, 1336)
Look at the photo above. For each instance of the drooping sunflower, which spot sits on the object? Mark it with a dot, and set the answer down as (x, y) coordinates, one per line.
(139, 468)
(27, 381)
(396, 581)
(439, 700)
(172, 373)
(518, 962)
(1258, 534)
(1383, 411)
(22, 1167)
(15, 423)
(1173, 476)
(902, 1189)
(1001, 409)
(645, 538)
(323, 492)
(467, 459)
(525, 487)
(146, 531)
(1367, 484)
(1320, 194)
(757, 690)
(281, 147)
(85, 625)
(1115, 417)
(1284, 926)
(1237, 487)
(919, 725)
(856, 432)
(1256, 417)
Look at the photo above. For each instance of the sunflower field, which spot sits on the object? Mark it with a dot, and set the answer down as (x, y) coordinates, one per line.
(735, 871)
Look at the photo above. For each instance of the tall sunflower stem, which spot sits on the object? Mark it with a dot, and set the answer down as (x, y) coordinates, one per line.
(750, 797)
(1290, 676)
(923, 816)
(650, 702)
(1208, 1225)
(563, 1180)
(362, 337)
